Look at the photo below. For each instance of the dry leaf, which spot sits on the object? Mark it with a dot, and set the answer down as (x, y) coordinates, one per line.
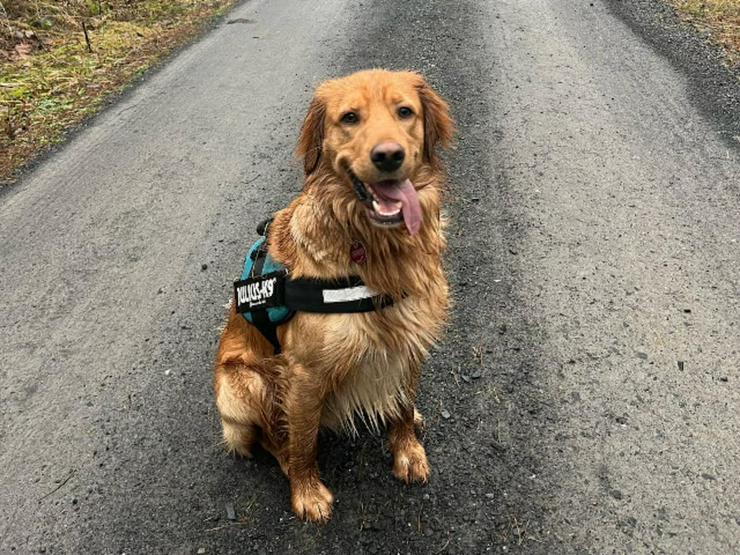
(23, 50)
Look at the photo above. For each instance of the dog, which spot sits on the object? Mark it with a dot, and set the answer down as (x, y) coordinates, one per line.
(370, 207)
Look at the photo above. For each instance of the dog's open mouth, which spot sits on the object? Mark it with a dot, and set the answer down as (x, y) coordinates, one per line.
(390, 202)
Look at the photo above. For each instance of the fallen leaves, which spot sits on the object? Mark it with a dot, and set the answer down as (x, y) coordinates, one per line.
(23, 50)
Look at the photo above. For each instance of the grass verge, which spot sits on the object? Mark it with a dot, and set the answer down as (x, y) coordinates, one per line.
(719, 18)
(61, 59)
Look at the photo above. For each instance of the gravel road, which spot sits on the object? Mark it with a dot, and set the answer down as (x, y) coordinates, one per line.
(586, 397)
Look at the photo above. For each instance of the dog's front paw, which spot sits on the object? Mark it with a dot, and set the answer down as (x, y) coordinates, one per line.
(312, 501)
(410, 463)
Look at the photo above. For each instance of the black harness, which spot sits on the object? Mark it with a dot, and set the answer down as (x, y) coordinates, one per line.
(267, 296)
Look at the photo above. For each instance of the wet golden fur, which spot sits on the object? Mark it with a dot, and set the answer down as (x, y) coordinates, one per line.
(335, 368)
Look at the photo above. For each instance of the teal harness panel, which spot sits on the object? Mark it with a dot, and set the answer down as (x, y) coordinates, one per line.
(276, 315)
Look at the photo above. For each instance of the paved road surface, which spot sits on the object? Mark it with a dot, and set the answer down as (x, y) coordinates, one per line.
(586, 398)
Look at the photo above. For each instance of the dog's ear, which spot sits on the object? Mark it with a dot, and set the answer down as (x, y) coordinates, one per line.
(311, 139)
(439, 127)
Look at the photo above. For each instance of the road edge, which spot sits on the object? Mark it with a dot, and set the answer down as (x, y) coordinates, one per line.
(713, 87)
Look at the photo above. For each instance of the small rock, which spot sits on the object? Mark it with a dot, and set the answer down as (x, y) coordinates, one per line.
(230, 512)
(476, 374)
(201, 550)
(167, 372)
(204, 266)
(445, 414)
(723, 378)
(465, 378)
(680, 365)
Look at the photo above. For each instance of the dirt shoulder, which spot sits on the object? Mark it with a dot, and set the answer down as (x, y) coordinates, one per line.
(59, 61)
(719, 19)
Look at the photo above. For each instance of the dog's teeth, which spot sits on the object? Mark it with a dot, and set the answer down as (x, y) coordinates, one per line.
(379, 210)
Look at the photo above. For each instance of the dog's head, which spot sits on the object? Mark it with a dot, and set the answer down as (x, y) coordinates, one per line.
(377, 130)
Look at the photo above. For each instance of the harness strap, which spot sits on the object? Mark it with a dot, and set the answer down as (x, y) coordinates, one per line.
(260, 317)
(332, 296)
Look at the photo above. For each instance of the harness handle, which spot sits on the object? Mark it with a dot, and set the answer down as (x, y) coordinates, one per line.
(264, 226)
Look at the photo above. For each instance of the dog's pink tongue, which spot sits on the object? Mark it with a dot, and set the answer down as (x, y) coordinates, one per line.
(405, 194)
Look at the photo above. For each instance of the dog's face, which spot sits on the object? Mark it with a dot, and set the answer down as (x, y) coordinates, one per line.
(376, 129)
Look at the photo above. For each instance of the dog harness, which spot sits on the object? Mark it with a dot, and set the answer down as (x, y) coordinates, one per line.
(266, 296)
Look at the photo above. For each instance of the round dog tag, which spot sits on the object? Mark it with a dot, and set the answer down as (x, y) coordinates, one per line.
(357, 252)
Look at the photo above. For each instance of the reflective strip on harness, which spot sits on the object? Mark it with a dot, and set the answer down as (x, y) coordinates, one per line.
(348, 294)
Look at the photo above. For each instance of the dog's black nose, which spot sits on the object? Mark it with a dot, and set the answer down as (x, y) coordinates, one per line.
(387, 156)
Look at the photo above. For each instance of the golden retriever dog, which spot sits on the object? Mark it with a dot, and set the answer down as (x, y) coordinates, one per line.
(373, 182)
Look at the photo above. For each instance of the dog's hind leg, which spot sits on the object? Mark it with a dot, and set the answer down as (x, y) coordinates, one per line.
(239, 395)
(239, 438)
(418, 420)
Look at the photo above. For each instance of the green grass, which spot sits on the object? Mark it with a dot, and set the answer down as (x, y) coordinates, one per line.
(49, 79)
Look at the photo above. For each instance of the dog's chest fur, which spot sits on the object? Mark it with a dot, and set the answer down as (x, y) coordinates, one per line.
(373, 392)
(384, 350)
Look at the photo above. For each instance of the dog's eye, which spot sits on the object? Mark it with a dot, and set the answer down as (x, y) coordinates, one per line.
(350, 118)
(404, 112)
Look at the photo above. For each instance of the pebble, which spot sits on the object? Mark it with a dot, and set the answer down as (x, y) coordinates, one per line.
(230, 512)
(201, 550)
(204, 266)
(445, 414)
